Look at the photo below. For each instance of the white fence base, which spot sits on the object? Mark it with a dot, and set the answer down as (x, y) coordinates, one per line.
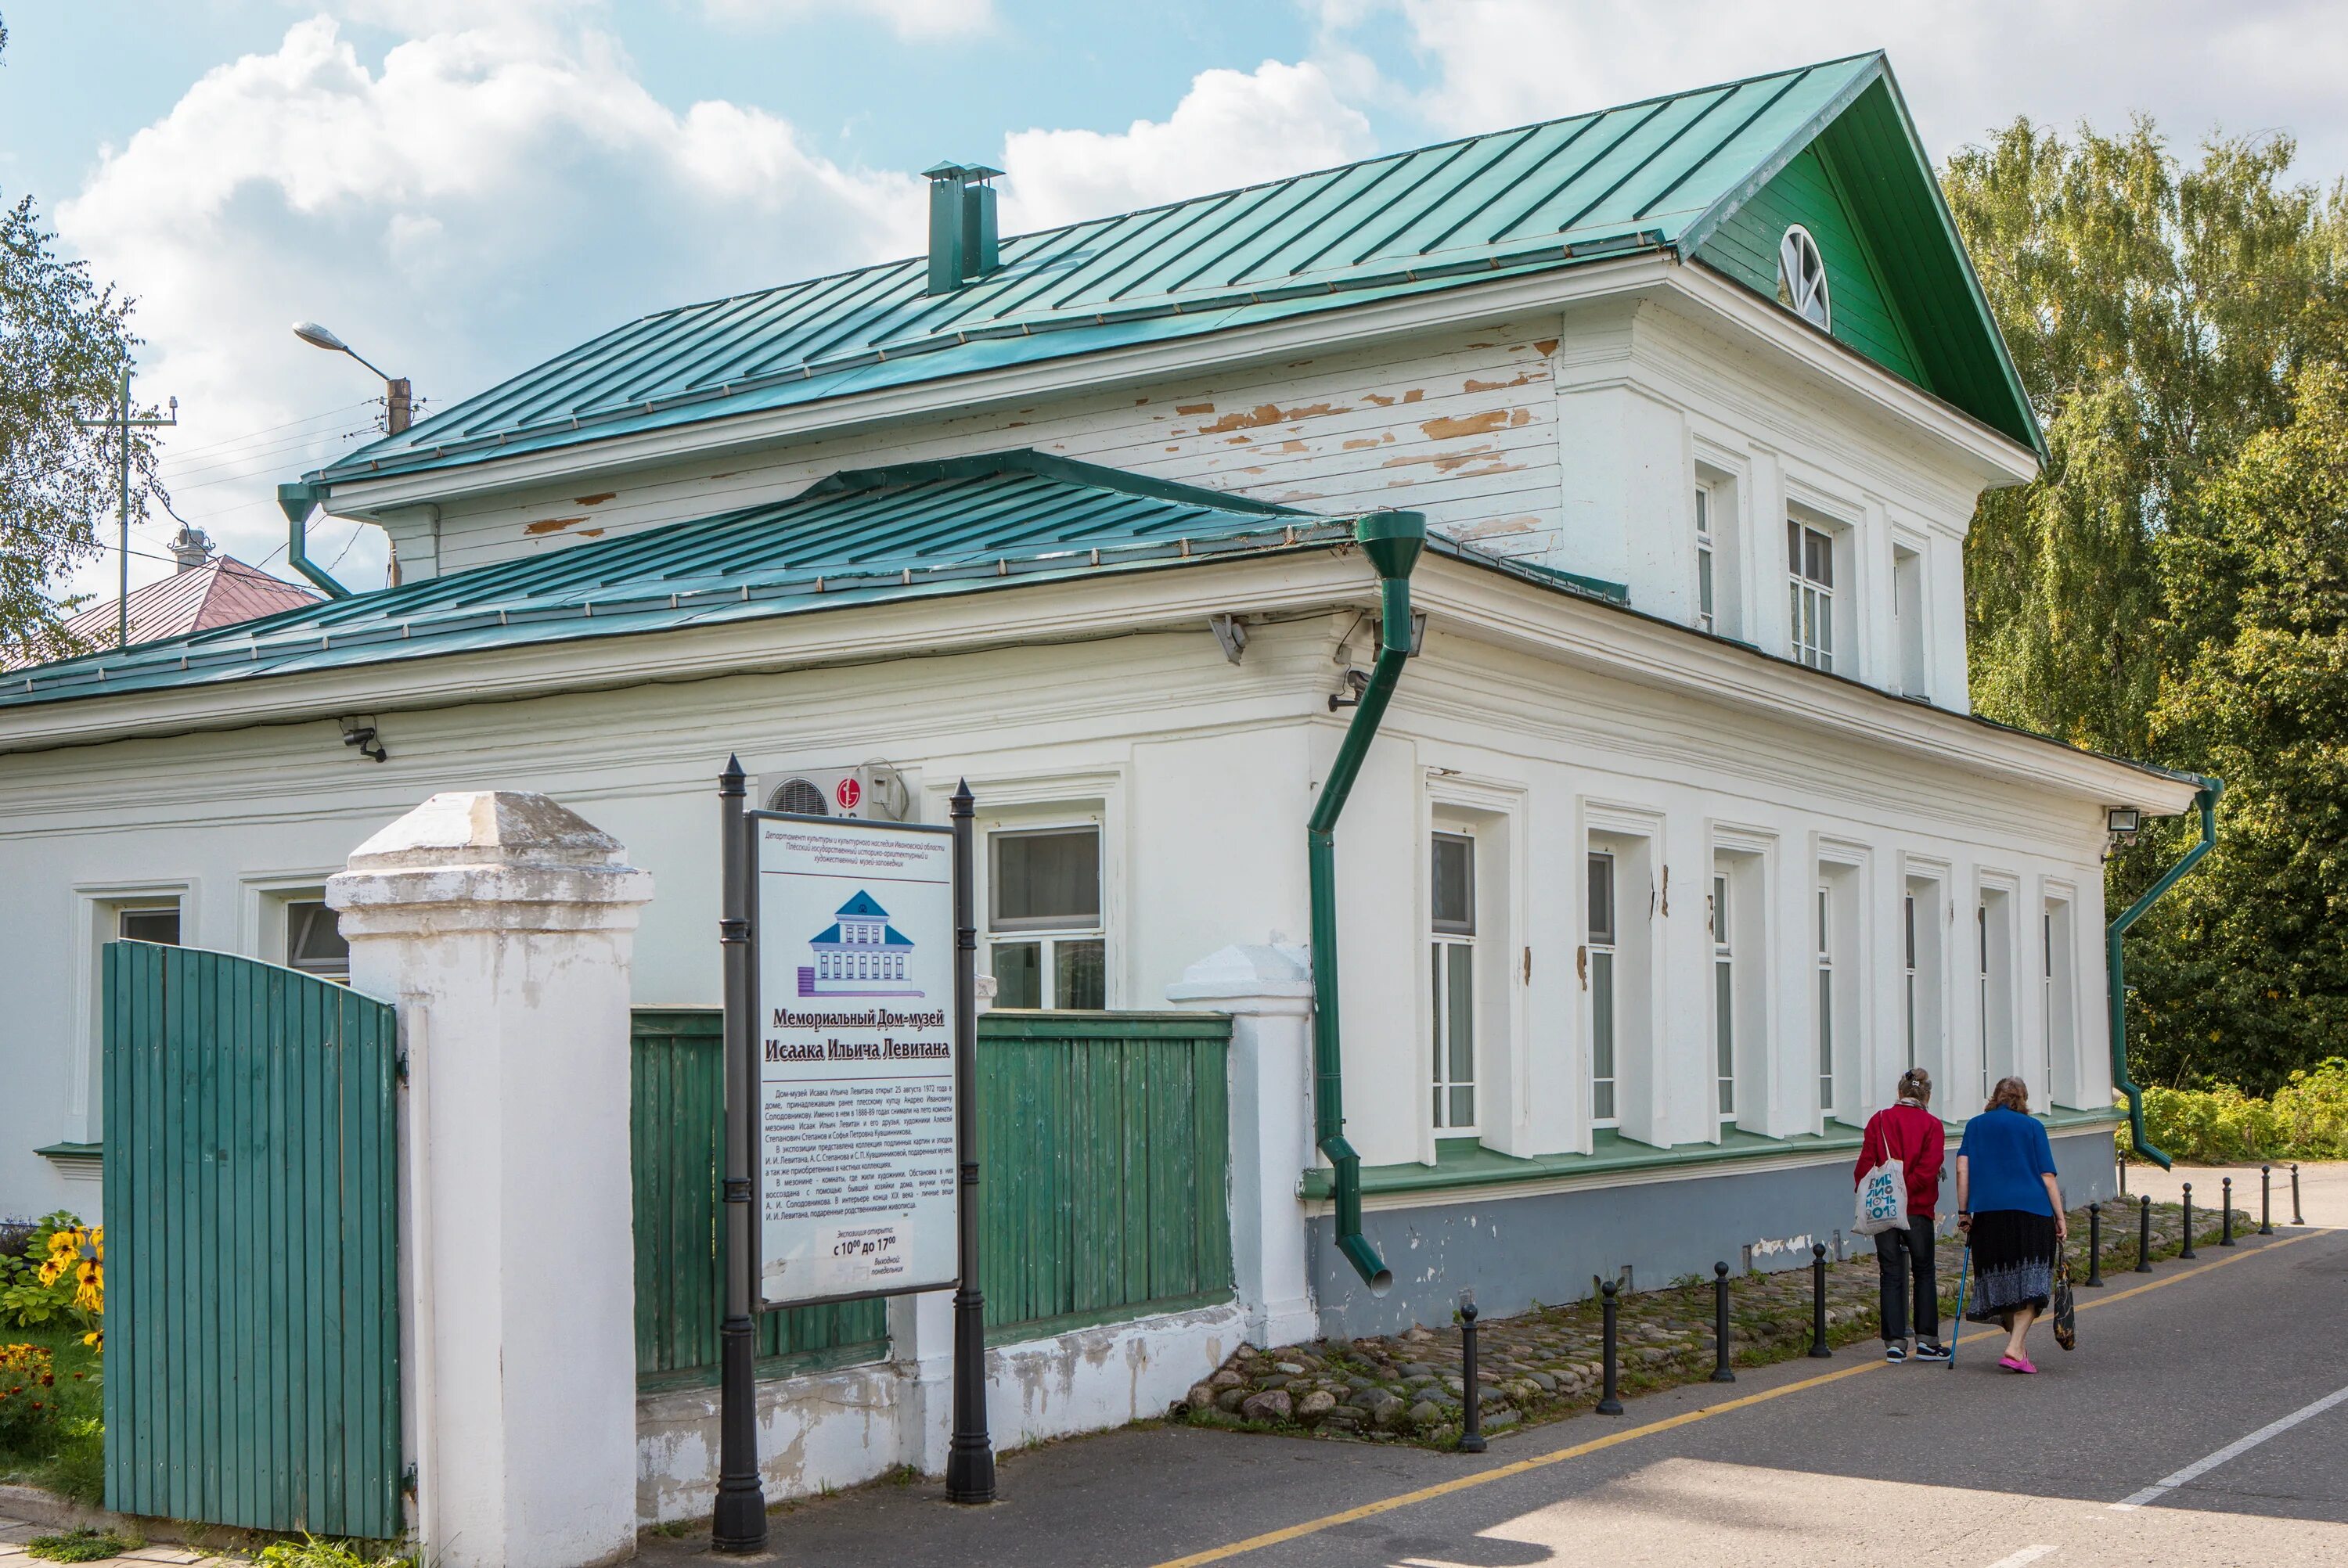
(840, 1427)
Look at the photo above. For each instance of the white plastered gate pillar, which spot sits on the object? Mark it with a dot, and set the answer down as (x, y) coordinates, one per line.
(501, 925)
(1268, 991)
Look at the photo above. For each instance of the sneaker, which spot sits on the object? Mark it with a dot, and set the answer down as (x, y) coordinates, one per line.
(1895, 1353)
(1932, 1350)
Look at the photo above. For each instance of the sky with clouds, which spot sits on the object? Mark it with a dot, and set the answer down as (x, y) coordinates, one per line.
(462, 189)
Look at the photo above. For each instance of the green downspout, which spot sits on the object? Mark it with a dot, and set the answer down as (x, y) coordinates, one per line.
(1393, 541)
(2206, 801)
(298, 501)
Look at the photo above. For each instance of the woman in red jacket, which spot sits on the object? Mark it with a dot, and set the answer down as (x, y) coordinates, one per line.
(1912, 1135)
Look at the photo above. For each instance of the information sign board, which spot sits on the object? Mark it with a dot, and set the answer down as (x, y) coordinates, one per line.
(853, 923)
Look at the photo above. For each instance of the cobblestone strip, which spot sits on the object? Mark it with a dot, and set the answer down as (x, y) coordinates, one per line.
(1544, 1365)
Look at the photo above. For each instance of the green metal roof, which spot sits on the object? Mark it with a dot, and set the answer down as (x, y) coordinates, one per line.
(1663, 173)
(863, 536)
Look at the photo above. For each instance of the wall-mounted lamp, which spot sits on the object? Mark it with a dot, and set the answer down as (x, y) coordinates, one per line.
(361, 733)
(2122, 823)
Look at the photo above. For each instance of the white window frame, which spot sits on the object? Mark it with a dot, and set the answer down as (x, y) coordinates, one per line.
(1910, 1001)
(1048, 938)
(1707, 605)
(1912, 648)
(1724, 992)
(1810, 628)
(98, 909)
(2058, 911)
(1601, 945)
(1997, 992)
(1824, 1025)
(1448, 946)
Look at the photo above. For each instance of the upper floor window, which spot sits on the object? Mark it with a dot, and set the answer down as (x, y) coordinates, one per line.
(1802, 278)
(1705, 614)
(1044, 917)
(1810, 571)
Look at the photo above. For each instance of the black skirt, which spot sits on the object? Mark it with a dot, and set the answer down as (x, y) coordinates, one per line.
(2013, 1263)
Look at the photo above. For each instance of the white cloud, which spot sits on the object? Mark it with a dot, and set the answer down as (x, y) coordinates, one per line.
(1965, 69)
(487, 195)
(908, 19)
(1231, 128)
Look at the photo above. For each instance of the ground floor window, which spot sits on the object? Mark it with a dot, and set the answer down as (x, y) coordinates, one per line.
(1723, 998)
(1046, 941)
(157, 924)
(1601, 956)
(313, 940)
(1825, 1000)
(1451, 952)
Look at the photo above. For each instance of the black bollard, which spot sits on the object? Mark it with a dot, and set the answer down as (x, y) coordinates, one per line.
(2266, 1200)
(1720, 1372)
(2295, 1197)
(2226, 1225)
(2189, 1223)
(1609, 1401)
(2143, 1234)
(2124, 1172)
(1818, 1299)
(2094, 1246)
(1471, 1435)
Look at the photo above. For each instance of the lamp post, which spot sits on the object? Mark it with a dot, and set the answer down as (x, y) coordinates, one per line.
(399, 397)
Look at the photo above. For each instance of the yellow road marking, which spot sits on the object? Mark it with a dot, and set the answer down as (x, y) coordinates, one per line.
(1685, 1418)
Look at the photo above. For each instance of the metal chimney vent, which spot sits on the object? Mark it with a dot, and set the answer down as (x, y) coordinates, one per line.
(962, 242)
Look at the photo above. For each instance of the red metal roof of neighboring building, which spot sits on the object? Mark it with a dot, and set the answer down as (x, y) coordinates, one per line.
(222, 592)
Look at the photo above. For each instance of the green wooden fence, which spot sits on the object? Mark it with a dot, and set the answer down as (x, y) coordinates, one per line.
(677, 1147)
(1104, 1142)
(252, 1322)
(1104, 1163)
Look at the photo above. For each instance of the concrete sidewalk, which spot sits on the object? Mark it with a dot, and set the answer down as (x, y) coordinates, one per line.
(16, 1532)
(2322, 1188)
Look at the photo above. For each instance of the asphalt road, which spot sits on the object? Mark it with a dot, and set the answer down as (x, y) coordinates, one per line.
(1846, 1461)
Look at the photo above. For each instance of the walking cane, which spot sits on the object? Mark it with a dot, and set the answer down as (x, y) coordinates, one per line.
(1964, 1270)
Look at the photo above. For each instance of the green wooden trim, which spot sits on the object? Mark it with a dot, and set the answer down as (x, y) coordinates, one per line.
(1465, 1163)
(72, 1151)
(1069, 1322)
(1070, 1023)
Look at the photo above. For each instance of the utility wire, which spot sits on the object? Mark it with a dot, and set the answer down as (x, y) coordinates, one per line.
(329, 414)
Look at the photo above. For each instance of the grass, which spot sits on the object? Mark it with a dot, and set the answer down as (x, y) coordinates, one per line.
(83, 1545)
(68, 1457)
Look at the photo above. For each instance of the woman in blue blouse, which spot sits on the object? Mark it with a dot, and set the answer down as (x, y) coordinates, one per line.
(2011, 1213)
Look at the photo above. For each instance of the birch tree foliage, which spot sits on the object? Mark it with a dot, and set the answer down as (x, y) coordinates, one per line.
(64, 343)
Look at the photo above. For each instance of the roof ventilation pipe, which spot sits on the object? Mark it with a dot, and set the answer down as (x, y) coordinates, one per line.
(1393, 541)
(964, 246)
(298, 501)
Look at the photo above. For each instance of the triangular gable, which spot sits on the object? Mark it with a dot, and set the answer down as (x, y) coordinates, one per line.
(1903, 291)
(862, 904)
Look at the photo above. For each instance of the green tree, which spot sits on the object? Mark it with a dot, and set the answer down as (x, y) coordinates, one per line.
(64, 345)
(2156, 314)
(2243, 974)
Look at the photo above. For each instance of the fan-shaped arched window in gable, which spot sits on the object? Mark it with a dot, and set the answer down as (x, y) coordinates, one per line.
(1802, 278)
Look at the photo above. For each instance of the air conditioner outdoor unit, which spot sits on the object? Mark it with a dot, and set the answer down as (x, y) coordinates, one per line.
(874, 792)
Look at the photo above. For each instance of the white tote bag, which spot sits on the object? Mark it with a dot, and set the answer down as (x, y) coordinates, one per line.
(1882, 1200)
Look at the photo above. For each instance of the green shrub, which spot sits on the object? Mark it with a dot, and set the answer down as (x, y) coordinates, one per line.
(2306, 1119)
(312, 1552)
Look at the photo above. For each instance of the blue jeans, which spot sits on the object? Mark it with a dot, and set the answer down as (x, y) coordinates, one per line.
(1916, 1243)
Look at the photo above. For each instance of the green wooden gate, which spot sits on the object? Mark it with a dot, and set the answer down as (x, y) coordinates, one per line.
(252, 1321)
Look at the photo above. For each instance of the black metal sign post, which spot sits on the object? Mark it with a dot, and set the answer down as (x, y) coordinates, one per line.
(970, 1455)
(738, 1523)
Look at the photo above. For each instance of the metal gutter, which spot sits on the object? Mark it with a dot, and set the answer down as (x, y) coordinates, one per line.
(2206, 801)
(298, 501)
(1393, 541)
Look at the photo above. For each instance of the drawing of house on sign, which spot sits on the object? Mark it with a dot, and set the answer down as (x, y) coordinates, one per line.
(860, 956)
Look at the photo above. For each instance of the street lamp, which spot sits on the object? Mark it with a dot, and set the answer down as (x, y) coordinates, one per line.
(398, 398)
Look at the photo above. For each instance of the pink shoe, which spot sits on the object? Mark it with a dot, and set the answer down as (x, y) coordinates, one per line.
(2016, 1364)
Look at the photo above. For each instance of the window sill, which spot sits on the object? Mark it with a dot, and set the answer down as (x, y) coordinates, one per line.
(80, 1162)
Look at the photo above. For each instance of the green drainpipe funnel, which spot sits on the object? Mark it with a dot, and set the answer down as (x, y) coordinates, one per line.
(298, 501)
(2206, 802)
(1393, 541)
